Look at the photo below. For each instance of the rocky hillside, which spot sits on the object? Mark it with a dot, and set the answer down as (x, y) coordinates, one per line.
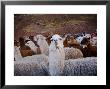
(32, 24)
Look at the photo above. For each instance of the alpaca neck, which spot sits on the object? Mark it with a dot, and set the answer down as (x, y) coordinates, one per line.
(56, 60)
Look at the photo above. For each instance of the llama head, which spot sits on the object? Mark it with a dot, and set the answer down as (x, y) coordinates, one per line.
(79, 39)
(85, 42)
(29, 43)
(57, 41)
(26, 38)
(39, 37)
(87, 36)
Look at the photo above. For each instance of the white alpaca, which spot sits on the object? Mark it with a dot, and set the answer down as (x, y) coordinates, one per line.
(32, 46)
(59, 66)
(35, 65)
(81, 67)
(41, 41)
(56, 56)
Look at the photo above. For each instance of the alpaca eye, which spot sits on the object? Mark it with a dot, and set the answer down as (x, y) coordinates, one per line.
(60, 38)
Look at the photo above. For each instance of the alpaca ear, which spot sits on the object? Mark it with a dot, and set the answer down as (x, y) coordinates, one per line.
(60, 38)
(51, 39)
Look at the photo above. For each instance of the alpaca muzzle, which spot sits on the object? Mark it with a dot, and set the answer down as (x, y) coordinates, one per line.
(56, 44)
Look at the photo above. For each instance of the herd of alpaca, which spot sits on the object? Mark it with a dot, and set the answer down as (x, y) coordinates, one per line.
(35, 57)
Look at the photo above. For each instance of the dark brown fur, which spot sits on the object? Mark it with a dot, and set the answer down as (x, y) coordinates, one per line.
(90, 50)
(25, 50)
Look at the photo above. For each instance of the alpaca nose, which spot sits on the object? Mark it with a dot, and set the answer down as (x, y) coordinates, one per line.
(56, 42)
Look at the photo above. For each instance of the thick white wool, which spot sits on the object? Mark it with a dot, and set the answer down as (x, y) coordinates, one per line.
(36, 65)
(41, 41)
(39, 58)
(81, 67)
(56, 58)
(55, 37)
(72, 53)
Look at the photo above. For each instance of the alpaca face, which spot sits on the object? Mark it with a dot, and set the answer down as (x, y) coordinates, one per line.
(85, 42)
(79, 39)
(39, 37)
(57, 40)
(31, 45)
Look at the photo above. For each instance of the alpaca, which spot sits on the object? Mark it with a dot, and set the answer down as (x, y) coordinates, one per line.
(41, 41)
(79, 39)
(72, 53)
(72, 42)
(33, 47)
(88, 50)
(81, 67)
(36, 65)
(56, 56)
(57, 62)
(24, 49)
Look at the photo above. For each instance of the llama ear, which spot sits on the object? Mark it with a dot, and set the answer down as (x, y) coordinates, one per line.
(51, 39)
(60, 39)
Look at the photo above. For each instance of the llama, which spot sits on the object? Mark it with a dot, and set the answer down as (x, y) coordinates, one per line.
(36, 65)
(88, 50)
(24, 49)
(81, 67)
(79, 39)
(56, 61)
(33, 47)
(72, 53)
(41, 41)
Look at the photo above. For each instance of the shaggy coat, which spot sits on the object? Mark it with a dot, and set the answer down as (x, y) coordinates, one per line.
(25, 50)
(81, 67)
(72, 53)
(35, 65)
(89, 50)
(56, 57)
(41, 41)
